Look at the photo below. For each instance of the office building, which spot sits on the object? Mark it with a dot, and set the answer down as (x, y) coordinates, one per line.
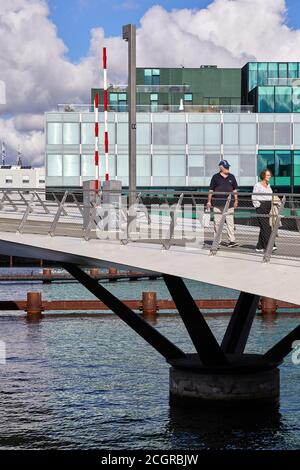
(187, 120)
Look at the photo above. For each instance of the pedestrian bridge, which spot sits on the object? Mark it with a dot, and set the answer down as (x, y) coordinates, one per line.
(166, 232)
(170, 233)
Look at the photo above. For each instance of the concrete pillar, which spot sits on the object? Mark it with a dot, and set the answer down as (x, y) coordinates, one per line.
(47, 276)
(149, 304)
(188, 388)
(249, 382)
(34, 306)
(268, 306)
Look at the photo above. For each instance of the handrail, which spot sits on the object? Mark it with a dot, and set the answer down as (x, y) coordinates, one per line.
(164, 217)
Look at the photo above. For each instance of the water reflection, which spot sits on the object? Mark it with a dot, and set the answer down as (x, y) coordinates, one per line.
(225, 429)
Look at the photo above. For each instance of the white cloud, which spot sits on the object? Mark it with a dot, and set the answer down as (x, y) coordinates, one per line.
(38, 74)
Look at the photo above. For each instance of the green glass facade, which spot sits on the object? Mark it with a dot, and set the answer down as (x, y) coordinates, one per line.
(272, 87)
(284, 165)
(204, 86)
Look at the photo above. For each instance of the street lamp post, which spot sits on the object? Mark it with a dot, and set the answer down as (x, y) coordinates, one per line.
(129, 34)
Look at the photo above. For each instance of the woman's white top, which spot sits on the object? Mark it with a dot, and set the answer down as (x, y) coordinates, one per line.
(261, 193)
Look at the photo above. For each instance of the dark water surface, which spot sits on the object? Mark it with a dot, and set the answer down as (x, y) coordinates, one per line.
(93, 383)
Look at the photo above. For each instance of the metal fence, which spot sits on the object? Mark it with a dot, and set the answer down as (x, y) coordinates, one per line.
(154, 107)
(167, 218)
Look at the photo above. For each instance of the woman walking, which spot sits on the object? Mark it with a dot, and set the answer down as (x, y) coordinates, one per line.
(262, 201)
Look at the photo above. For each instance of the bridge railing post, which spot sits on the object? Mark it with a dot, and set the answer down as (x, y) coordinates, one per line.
(218, 234)
(57, 215)
(28, 210)
(173, 214)
(271, 242)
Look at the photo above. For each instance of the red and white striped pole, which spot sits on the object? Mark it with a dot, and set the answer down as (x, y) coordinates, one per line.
(105, 102)
(96, 105)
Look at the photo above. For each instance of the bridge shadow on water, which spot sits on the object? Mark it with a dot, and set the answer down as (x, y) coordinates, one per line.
(216, 430)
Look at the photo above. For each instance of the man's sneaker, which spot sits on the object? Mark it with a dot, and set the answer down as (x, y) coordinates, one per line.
(259, 250)
(274, 248)
(232, 244)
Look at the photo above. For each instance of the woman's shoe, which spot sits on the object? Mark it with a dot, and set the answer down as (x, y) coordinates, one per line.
(274, 248)
(259, 250)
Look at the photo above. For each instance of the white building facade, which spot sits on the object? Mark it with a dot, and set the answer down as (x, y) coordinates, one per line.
(25, 177)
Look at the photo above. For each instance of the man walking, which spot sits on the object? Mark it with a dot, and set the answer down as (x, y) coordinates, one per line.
(224, 182)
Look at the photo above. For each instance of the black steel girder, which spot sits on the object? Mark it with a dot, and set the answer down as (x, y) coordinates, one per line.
(240, 323)
(165, 347)
(202, 337)
(281, 349)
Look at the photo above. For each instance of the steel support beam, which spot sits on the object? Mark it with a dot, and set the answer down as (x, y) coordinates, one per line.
(240, 323)
(141, 327)
(278, 352)
(202, 337)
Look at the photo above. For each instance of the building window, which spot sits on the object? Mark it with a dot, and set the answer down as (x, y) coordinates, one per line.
(54, 133)
(273, 70)
(8, 180)
(188, 97)
(279, 162)
(153, 102)
(71, 133)
(113, 98)
(151, 76)
(266, 159)
(252, 75)
(283, 99)
(25, 180)
(293, 70)
(42, 181)
(262, 73)
(71, 165)
(283, 167)
(118, 102)
(265, 99)
(87, 165)
(282, 70)
(54, 165)
(87, 133)
(297, 167)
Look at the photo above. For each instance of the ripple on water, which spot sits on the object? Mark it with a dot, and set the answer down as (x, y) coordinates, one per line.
(91, 383)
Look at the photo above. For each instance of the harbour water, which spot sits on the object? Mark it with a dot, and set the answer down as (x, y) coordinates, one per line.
(87, 383)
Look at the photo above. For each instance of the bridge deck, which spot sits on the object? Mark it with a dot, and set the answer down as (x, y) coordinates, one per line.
(231, 269)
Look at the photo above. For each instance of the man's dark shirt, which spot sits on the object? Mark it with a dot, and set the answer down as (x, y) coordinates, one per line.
(219, 184)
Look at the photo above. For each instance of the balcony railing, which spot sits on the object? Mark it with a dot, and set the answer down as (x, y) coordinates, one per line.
(156, 108)
(295, 82)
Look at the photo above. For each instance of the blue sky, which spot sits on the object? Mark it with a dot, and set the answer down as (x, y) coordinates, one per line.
(75, 18)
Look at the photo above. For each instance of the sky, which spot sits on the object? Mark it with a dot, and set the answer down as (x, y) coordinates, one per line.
(75, 18)
(51, 49)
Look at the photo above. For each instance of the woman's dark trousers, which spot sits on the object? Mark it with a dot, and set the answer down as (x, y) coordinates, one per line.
(264, 224)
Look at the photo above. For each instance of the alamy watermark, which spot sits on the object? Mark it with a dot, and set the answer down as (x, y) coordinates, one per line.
(155, 222)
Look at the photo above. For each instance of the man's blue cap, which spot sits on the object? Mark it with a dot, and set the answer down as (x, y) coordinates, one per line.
(224, 163)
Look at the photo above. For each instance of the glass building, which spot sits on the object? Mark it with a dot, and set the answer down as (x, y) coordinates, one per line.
(272, 87)
(180, 146)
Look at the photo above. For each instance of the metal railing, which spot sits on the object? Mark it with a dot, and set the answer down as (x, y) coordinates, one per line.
(157, 108)
(294, 82)
(167, 218)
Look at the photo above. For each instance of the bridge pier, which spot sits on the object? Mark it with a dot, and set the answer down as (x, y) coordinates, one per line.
(248, 383)
(217, 376)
